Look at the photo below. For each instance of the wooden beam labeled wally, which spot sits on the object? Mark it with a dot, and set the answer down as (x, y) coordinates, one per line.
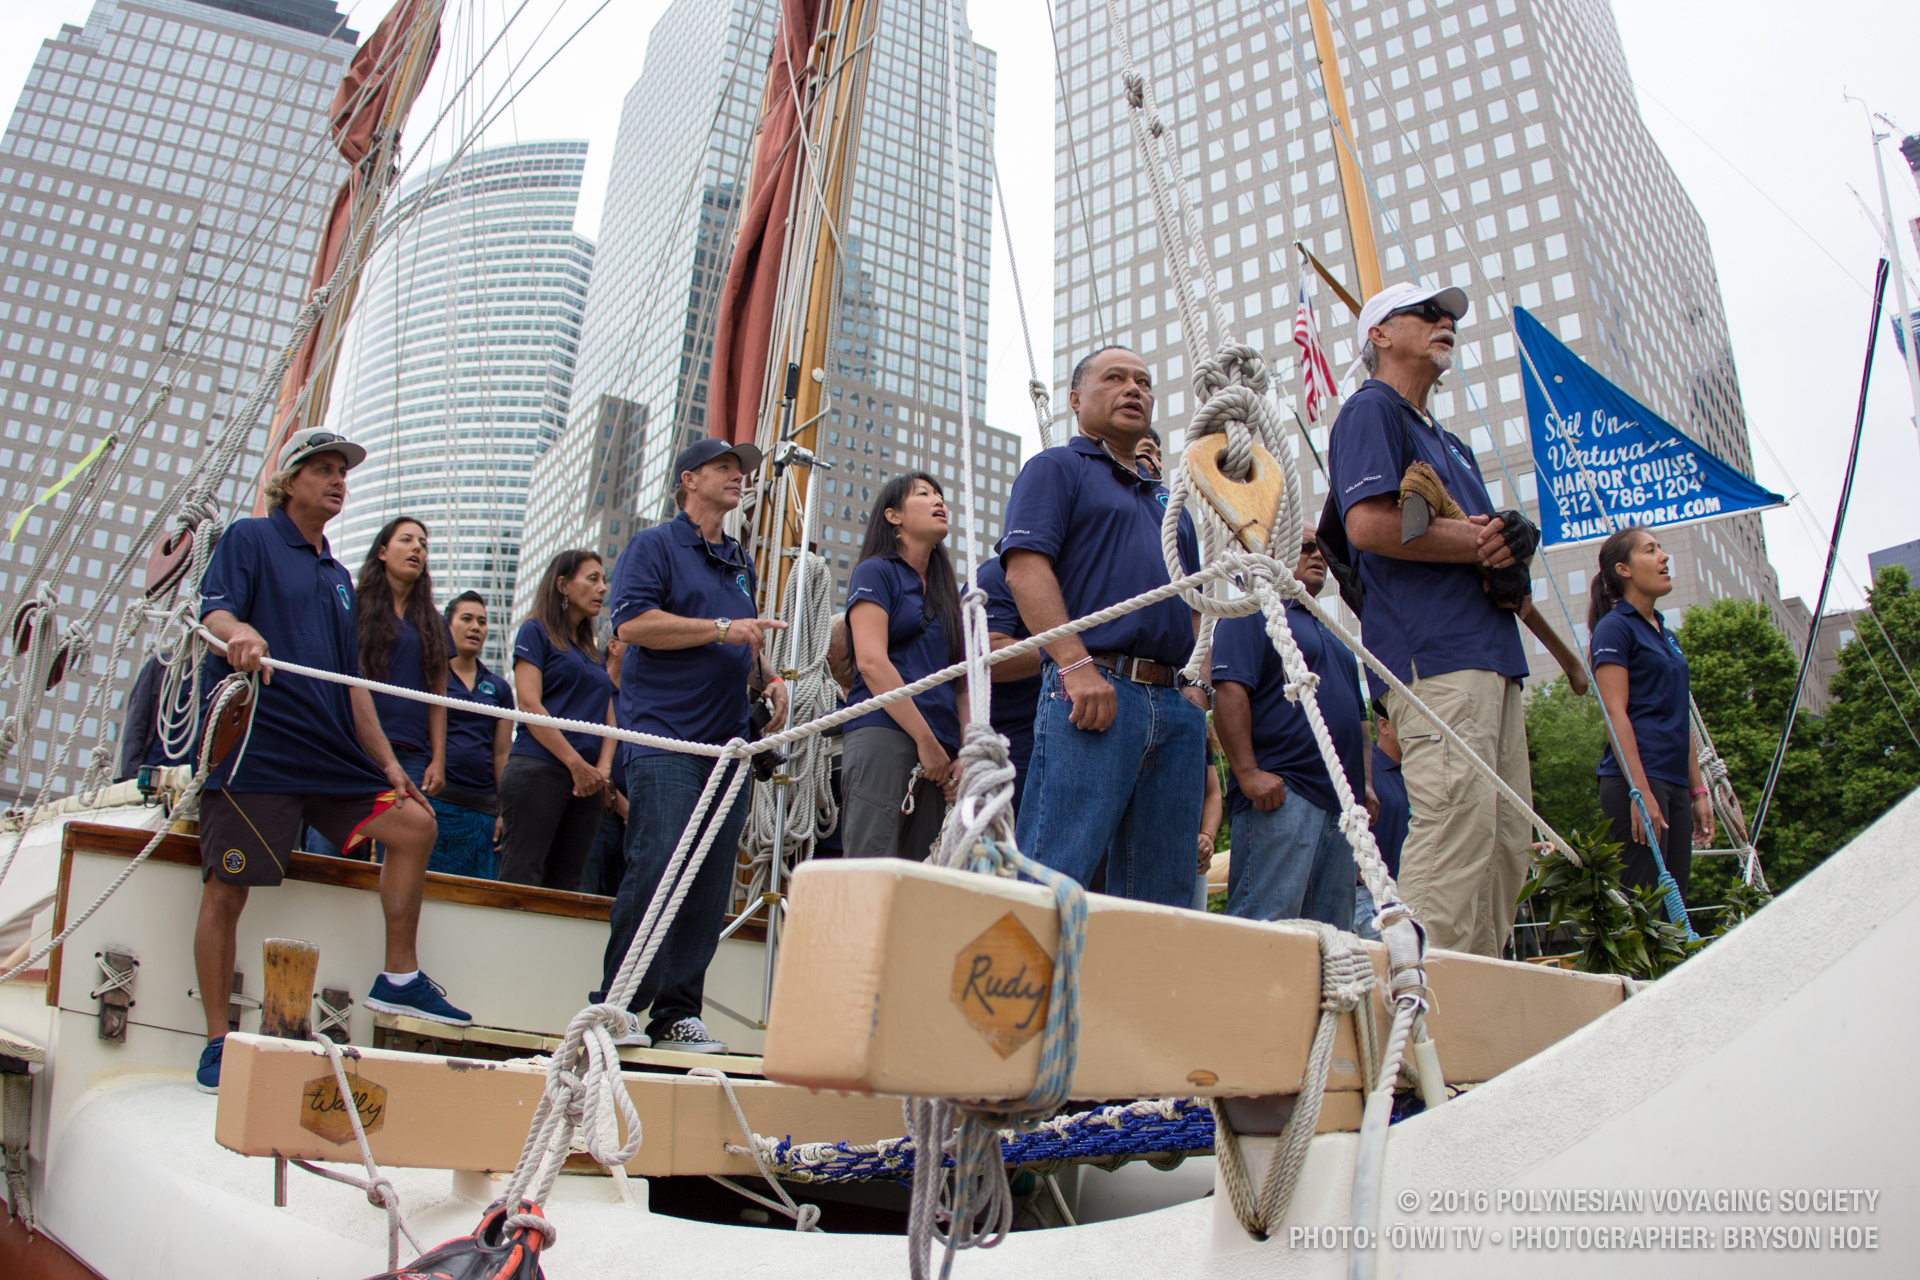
(900, 978)
(279, 1098)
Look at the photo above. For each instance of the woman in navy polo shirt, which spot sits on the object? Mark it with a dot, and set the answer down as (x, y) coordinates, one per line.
(404, 643)
(903, 620)
(550, 794)
(1643, 682)
(467, 809)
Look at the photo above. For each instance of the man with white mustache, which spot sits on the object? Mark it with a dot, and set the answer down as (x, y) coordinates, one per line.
(1440, 613)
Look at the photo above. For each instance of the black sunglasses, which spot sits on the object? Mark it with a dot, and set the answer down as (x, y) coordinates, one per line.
(1430, 311)
(1310, 548)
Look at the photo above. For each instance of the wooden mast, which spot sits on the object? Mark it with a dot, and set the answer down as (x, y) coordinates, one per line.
(1366, 257)
(813, 270)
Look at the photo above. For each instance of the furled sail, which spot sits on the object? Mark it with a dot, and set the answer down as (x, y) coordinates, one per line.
(369, 107)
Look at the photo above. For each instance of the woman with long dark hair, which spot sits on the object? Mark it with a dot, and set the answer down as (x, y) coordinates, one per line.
(550, 793)
(467, 809)
(1644, 686)
(903, 622)
(404, 642)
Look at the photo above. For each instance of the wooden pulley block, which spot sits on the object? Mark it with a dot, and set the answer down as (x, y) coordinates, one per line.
(22, 624)
(231, 725)
(57, 669)
(1248, 507)
(167, 562)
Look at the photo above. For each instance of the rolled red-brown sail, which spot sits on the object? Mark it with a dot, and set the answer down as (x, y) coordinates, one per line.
(396, 57)
(744, 325)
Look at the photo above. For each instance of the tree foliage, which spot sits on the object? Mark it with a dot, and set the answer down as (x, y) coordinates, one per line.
(1566, 735)
(1870, 753)
(1743, 672)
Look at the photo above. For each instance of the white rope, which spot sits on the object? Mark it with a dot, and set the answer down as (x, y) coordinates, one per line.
(806, 1217)
(1346, 988)
(379, 1188)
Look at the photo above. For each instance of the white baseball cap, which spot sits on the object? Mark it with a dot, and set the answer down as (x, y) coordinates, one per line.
(1405, 294)
(302, 445)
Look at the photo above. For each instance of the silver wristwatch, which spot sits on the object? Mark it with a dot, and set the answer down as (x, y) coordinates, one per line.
(721, 624)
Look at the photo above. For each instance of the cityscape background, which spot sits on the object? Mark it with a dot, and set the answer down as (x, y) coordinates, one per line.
(1775, 165)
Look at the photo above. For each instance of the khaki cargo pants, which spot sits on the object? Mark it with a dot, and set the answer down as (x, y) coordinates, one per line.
(1467, 850)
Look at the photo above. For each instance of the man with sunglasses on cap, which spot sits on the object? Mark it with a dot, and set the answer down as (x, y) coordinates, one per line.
(315, 753)
(1290, 858)
(683, 601)
(1441, 602)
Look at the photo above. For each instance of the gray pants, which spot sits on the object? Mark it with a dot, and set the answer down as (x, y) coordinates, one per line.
(875, 763)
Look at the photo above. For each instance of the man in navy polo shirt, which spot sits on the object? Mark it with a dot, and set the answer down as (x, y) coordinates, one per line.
(683, 600)
(1290, 859)
(316, 753)
(1119, 755)
(1440, 613)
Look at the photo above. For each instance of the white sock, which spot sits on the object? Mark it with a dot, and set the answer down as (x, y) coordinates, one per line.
(401, 979)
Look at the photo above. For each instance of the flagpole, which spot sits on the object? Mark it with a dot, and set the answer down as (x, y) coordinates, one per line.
(1911, 354)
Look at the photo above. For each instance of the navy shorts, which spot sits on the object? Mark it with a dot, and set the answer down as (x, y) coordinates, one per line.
(248, 839)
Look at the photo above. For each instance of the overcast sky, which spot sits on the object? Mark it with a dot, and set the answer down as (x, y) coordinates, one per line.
(1748, 110)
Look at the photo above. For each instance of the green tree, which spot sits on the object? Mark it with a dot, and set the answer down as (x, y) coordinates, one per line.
(1566, 735)
(1870, 754)
(1742, 672)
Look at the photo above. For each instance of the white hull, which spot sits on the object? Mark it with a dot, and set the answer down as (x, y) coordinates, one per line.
(1772, 1062)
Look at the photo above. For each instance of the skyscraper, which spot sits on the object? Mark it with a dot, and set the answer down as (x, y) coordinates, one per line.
(1505, 154)
(680, 163)
(462, 362)
(164, 178)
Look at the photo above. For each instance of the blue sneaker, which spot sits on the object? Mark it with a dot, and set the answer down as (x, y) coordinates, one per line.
(207, 1078)
(421, 998)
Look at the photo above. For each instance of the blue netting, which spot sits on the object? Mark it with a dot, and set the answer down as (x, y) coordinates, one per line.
(1181, 1128)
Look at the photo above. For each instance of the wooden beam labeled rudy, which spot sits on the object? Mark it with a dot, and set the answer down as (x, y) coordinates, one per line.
(900, 978)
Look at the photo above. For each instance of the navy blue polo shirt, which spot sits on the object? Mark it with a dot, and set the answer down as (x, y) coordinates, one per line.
(402, 719)
(470, 733)
(1014, 701)
(266, 574)
(1099, 521)
(697, 694)
(1657, 688)
(916, 643)
(1283, 741)
(574, 685)
(1424, 619)
(1390, 789)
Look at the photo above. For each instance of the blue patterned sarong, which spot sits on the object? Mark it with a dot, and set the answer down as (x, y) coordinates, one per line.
(465, 845)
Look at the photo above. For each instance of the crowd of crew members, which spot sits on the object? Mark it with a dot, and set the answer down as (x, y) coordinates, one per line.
(1126, 771)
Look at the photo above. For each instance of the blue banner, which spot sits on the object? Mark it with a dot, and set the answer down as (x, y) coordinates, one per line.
(1594, 441)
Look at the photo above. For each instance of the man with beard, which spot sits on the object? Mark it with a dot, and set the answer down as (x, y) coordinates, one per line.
(1440, 613)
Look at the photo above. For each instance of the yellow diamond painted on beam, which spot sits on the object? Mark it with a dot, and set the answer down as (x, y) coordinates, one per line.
(1001, 982)
(323, 1112)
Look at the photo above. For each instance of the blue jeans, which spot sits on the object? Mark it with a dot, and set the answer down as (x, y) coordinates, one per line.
(1131, 793)
(662, 791)
(1291, 863)
(1363, 913)
(414, 764)
(607, 860)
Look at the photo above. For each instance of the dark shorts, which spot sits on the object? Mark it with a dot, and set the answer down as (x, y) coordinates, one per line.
(248, 839)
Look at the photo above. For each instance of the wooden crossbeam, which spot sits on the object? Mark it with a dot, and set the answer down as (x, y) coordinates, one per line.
(278, 1098)
(900, 978)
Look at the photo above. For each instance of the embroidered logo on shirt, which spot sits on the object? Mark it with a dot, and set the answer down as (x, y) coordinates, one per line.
(1362, 480)
(486, 688)
(1162, 496)
(740, 581)
(346, 600)
(234, 861)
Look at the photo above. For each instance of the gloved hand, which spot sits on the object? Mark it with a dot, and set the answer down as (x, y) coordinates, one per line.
(1509, 586)
(1521, 535)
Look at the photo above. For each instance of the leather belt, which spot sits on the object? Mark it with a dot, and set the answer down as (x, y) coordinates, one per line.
(1138, 670)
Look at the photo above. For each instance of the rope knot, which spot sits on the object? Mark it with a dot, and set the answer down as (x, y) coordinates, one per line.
(1136, 87)
(1305, 684)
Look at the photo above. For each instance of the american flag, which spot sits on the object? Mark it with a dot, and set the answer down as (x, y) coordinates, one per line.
(1318, 376)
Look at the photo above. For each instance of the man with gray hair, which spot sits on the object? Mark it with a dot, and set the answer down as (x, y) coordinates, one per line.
(1440, 604)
